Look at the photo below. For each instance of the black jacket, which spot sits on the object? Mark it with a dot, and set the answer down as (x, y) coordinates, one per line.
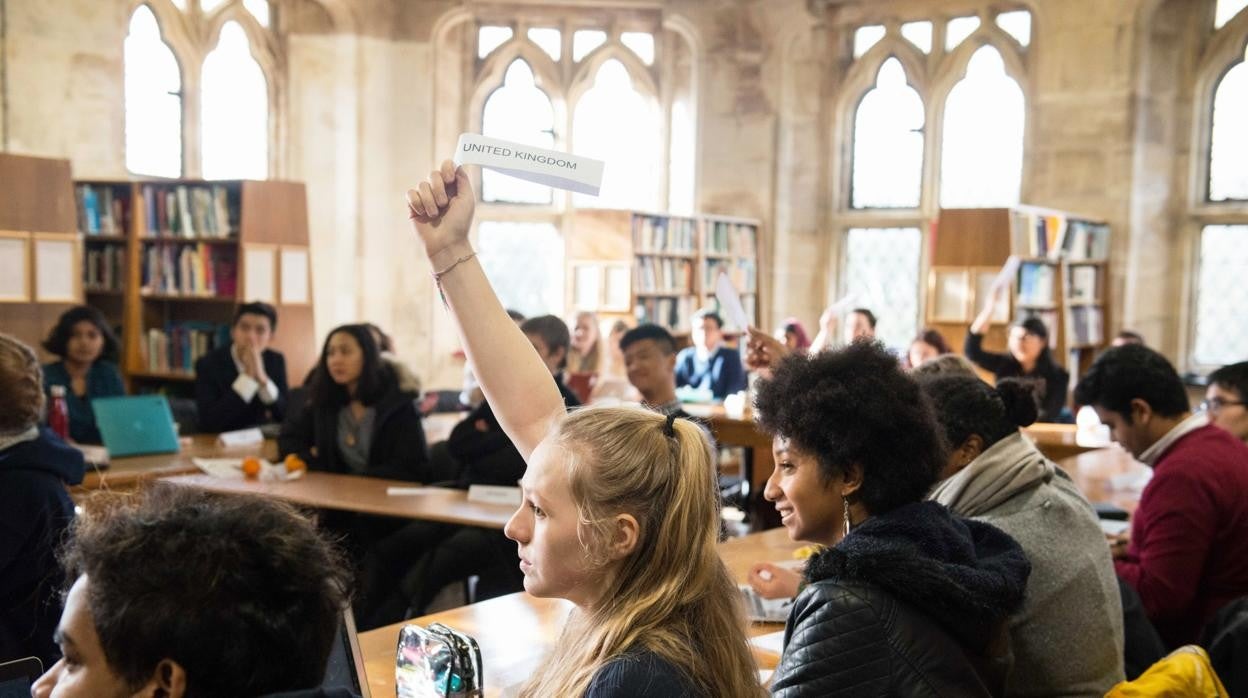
(220, 408)
(397, 450)
(911, 603)
(35, 510)
(484, 453)
(1052, 381)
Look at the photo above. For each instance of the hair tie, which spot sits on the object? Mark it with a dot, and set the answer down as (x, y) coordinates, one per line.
(670, 428)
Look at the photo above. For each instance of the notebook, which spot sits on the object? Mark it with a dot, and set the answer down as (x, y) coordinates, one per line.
(135, 426)
(345, 668)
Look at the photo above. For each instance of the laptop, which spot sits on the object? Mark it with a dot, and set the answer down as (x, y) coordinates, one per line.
(345, 668)
(18, 676)
(135, 425)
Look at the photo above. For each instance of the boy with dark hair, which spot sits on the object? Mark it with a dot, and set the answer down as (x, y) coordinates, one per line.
(709, 364)
(181, 593)
(1187, 554)
(242, 384)
(650, 360)
(1226, 399)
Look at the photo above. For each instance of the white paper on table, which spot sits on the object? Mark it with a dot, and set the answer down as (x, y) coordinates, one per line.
(1006, 275)
(730, 303)
(771, 642)
(226, 468)
(495, 494)
(539, 165)
(241, 437)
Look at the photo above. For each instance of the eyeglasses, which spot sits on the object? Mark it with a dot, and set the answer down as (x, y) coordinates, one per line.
(1214, 404)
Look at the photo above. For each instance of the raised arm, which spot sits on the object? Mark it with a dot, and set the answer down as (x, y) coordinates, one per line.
(515, 381)
(985, 314)
(826, 336)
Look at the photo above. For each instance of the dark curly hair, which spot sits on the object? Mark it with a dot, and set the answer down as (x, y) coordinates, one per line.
(1132, 371)
(966, 405)
(242, 592)
(57, 342)
(855, 406)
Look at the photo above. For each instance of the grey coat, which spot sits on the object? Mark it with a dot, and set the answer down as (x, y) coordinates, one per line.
(1067, 639)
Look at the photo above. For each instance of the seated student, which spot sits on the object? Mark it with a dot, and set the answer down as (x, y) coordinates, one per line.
(250, 608)
(242, 384)
(471, 396)
(88, 350)
(35, 509)
(793, 335)
(709, 364)
(633, 547)
(861, 326)
(650, 358)
(585, 354)
(906, 599)
(408, 567)
(1029, 358)
(360, 418)
(1187, 553)
(612, 382)
(1226, 399)
(996, 475)
(926, 345)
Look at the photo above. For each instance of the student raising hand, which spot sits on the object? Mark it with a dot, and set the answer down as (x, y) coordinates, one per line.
(441, 208)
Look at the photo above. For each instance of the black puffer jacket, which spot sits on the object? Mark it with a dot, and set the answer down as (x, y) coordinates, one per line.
(911, 603)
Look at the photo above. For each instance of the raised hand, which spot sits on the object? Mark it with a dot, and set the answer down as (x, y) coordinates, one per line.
(441, 209)
(763, 351)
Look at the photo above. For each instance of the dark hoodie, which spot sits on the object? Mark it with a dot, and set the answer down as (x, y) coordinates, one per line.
(35, 510)
(913, 602)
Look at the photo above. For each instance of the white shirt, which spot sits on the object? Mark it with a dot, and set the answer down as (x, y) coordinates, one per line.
(247, 387)
(12, 439)
(1153, 453)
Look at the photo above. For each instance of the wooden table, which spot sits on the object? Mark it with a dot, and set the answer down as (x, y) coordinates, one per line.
(1057, 441)
(131, 471)
(1095, 471)
(365, 495)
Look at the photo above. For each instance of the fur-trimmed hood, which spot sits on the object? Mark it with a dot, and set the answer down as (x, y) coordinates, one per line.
(966, 575)
(408, 381)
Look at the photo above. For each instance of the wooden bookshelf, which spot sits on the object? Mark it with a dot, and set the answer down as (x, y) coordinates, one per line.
(36, 204)
(1062, 276)
(672, 263)
(187, 246)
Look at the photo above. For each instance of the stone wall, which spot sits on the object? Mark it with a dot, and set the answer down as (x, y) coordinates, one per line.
(369, 105)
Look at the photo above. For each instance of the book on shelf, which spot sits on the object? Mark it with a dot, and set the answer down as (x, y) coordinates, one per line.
(1083, 283)
(191, 269)
(658, 234)
(1087, 241)
(723, 237)
(102, 209)
(1036, 283)
(664, 275)
(176, 347)
(1085, 326)
(672, 313)
(105, 266)
(1033, 234)
(190, 211)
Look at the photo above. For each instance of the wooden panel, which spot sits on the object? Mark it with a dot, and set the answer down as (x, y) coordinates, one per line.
(600, 235)
(295, 338)
(274, 213)
(38, 194)
(972, 237)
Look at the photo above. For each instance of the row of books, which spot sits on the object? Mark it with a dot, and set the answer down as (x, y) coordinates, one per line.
(743, 274)
(1085, 325)
(670, 235)
(731, 238)
(672, 313)
(190, 211)
(1037, 283)
(179, 345)
(192, 269)
(102, 209)
(105, 267)
(664, 275)
(1082, 283)
(1036, 235)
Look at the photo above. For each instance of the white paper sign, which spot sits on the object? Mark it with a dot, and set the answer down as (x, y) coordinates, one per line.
(549, 167)
(242, 437)
(843, 305)
(1006, 275)
(494, 494)
(730, 303)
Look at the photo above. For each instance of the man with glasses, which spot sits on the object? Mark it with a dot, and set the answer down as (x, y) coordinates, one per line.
(1188, 550)
(1226, 399)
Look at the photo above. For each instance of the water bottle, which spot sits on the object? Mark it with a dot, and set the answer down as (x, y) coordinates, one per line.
(58, 413)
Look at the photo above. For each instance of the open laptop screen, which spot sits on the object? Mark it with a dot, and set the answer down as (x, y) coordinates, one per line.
(345, 668)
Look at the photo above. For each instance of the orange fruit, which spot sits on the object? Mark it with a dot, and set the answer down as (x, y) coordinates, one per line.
(294, 462)
(251, 467)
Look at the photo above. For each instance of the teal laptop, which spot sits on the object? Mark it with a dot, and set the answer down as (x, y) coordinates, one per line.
(135, 426)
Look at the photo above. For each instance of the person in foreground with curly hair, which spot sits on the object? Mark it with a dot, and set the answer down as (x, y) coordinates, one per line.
(996, 475)
(180, 593)
(907, 599)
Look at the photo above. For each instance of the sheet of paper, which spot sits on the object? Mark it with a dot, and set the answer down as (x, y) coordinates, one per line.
(227, 468)
(242, 437)
(771, 642)
(55, 270)
(295, 275)
(1113, 528)
(13, 270)
(494, 494)
(549, 167)
(843, 305)
(1006, 275)
(730, 303)
(259, 266)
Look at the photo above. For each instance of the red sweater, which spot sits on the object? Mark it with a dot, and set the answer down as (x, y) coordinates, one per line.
(1188, 554)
